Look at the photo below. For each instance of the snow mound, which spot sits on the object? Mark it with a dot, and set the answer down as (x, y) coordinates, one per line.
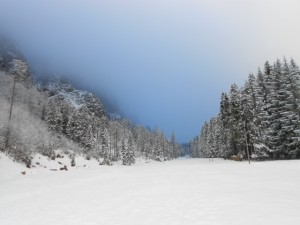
(41, 164)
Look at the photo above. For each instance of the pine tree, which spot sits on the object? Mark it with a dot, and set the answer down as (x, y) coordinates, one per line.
(174, 146)
(275, 109)
(225, 126)
(124, 152)
(289, 117)
(249, 115)
(128, 152)
(261, 114)
(79, 128)
(236, 126)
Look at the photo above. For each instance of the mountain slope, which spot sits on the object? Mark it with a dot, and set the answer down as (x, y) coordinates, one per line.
(14, 63)
(54, 115)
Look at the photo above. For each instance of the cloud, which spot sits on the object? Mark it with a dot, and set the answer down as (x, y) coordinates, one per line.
(166, 62)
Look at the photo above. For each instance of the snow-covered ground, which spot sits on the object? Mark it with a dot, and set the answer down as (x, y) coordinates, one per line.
(185, 191)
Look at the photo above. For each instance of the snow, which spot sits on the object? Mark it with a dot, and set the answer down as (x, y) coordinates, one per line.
(184, 191)
(65, 90)
(9, 169)
(114, 116)
(72, 99)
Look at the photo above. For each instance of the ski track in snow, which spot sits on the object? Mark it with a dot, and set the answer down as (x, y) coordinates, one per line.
(190, 191)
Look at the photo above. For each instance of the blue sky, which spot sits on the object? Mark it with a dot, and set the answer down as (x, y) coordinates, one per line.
(165, 62)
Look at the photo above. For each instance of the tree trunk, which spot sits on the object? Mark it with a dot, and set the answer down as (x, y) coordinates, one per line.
(246, 141)
(10, 114)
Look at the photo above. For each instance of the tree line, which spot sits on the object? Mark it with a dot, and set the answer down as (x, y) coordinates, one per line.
(261, 118)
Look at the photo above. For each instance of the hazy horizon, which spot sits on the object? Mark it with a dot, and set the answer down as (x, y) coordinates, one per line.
(164, 63)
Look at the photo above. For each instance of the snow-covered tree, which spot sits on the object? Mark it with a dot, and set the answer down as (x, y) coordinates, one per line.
(261, 117)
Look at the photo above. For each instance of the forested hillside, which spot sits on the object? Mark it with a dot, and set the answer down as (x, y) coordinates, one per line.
(44, 117)
(261, 117)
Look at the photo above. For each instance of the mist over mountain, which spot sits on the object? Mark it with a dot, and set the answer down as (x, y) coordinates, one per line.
(110, 105)
(158, 61)
(42, 115)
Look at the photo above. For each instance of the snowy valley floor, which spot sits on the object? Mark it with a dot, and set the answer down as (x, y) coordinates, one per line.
(184, 191)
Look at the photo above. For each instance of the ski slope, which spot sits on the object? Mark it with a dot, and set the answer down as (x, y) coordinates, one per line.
(184, 191)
